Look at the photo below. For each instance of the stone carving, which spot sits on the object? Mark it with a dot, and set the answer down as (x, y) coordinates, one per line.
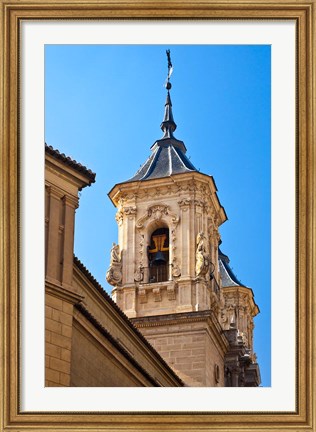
(130, 210)
(139, 274)
(184, 203)
(115, 254)
(114, 273)
(202, 255)
(176, 272)
(141, 250)
(119, 217)
(156, 212)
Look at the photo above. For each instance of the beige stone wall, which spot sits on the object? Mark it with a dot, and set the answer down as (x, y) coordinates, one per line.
(184, 352)
(58, 326)
(95, 363)
(62, 183)
(190, 348)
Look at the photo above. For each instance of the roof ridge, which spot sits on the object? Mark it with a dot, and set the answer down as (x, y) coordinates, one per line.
(155, 156)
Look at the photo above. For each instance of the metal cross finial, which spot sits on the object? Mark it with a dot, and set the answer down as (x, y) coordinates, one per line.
(170, 69)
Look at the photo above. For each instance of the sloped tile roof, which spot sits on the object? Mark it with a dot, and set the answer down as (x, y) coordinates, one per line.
(70, 162)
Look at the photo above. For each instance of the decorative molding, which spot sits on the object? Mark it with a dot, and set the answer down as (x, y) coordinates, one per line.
(71, 201)
(184, 203)
(176, 271)
(119, 217)
(142, 294)
(114, 274)
(139, 274)
(62, 293)
(131, 210)
(171, 292)
(157, 212)
(157, 294)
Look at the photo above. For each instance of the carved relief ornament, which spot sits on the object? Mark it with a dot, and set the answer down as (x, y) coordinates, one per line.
(156, 212)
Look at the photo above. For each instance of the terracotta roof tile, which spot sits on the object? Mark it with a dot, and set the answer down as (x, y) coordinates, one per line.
(71, 162)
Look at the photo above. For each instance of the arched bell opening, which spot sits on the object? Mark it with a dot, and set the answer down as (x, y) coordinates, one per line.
(158, 255)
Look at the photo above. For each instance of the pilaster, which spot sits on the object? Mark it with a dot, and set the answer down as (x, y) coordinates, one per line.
(55, 233)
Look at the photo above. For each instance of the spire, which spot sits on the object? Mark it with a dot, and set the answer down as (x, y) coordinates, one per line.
(168, 125)
(168, 153)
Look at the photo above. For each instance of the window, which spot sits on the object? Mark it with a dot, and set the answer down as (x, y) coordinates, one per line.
(158, 256)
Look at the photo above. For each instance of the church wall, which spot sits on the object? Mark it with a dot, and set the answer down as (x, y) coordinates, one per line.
(58, 334)
(188, 345)
(96, 363)
(215, 360)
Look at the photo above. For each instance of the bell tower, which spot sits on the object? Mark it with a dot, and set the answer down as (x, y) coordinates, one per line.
(165, 269)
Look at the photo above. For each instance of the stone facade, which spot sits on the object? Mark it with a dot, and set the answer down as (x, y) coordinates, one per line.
(186, 205)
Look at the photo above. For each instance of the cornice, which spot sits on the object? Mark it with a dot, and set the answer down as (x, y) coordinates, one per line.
(67, 172)
(214, 328)
(62, 292)
(243, 290)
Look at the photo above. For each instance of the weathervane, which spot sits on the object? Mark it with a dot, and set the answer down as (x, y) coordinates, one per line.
(170, 70)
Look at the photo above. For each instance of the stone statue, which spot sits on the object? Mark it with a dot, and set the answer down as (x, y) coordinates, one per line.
(115, 254)
(114, 273)
(202, 256)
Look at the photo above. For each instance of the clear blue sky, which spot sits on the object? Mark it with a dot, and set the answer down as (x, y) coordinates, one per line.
(103, 107)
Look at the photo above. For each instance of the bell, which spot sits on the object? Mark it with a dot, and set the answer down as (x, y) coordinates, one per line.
(159, 259)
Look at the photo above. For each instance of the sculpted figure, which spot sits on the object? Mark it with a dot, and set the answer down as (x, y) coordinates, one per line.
(115, 254)
(114, 273)
(202, 256)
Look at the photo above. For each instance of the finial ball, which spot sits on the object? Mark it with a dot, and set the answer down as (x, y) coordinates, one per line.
(168, 85)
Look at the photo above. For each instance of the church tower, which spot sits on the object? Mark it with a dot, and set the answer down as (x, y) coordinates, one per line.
(166, 270)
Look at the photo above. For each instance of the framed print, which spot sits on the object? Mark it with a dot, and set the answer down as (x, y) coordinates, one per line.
(174, 346)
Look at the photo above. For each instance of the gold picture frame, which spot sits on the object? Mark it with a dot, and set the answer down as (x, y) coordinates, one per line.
(13, 12)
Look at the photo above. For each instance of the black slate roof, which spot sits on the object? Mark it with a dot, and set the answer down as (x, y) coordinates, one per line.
(168, 153)
(227, 275)
(164, 161)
